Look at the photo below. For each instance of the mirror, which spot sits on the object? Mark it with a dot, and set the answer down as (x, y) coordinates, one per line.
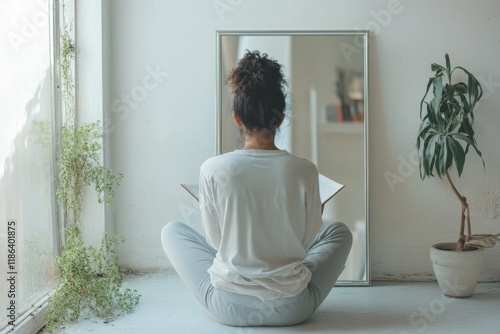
(327, 109)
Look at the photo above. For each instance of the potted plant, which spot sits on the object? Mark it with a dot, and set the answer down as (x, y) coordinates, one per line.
(444, 138)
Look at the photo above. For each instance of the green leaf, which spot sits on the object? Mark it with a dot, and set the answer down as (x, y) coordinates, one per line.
(429, 84)
(472, 81)
(429, 153)
(463, 137)
(464, 107)
(423, 132)
(458, 154)
(473, 91)
(437, 68)
(448, 66)
(450, 92)
(469, 142)
(442, 156)
(461, 87)
(449, 157)
(436, 101)
(466, 127)
(430, 114)
(454, 124)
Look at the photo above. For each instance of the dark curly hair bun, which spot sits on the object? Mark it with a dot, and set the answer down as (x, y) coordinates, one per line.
(258, 86)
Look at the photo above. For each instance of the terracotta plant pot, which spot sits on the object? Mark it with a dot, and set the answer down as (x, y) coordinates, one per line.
(457, 273)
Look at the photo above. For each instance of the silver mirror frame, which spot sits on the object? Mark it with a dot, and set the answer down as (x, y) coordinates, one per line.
(364, 34)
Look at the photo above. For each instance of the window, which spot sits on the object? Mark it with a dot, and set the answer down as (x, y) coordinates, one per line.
(27, 193)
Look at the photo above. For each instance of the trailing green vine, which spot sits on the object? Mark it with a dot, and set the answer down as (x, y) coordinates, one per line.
(90, 276)
(90, 282)
(79, 163)
(79, 167)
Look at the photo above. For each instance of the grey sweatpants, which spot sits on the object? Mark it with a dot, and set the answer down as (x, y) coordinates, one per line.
(191, 257)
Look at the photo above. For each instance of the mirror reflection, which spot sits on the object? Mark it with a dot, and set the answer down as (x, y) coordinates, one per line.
(326, 117)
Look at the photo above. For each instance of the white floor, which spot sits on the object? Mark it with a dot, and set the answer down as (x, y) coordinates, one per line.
(385, 307)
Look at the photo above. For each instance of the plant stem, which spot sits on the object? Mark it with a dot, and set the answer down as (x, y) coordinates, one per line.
(464, 218)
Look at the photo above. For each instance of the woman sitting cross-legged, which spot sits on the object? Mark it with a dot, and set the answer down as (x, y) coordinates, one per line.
(267, 259)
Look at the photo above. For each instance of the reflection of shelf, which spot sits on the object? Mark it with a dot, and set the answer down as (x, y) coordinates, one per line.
(341, 127)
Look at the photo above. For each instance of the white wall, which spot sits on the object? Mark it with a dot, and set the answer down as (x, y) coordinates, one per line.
(91, 90)
(163, 124)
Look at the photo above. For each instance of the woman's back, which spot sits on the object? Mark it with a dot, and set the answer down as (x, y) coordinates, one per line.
(261, 211)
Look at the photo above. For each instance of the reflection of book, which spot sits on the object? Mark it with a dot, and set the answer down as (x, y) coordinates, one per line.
(327, 189)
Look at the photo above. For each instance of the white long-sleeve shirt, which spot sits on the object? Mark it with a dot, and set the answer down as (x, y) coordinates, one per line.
(261, 211)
